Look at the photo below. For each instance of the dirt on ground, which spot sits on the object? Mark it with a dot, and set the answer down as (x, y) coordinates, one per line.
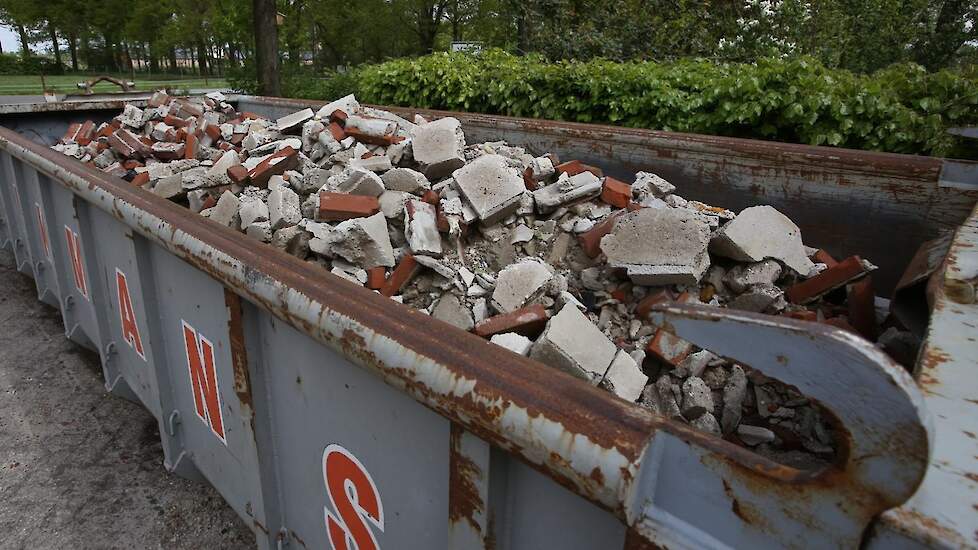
(80, 468)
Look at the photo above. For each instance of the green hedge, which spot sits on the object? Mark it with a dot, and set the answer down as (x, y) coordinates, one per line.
(14, 64)
(901, 109)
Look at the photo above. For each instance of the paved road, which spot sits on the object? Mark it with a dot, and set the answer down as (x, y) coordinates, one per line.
(80, 468)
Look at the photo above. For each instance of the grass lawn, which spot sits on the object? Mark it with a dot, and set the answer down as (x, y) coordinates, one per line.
(31, 84)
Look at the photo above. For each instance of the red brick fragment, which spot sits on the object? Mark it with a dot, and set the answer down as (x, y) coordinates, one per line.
(141, 179)
(842, 323)
(376, 277)
(213, 131)
(824, 257)
(238, 174)
(275, 165)
(660, 296)
(530, 183)
(616, 193)
(342, 206)
(862, 307)
(402, 274)
(338, 117)
(174, 121)
(804, 315)
(209, 202)
(832, 278)
(431, 197)
(363, 137)
(337, 131)
(127, 144)
(71, 132)
(575, 167)
(190, 148)
(529, 321)
(591, 240)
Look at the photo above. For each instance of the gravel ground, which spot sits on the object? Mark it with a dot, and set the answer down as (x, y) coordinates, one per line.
(80, 468)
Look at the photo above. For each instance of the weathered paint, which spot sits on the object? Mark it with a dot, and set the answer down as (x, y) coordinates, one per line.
(944, 511)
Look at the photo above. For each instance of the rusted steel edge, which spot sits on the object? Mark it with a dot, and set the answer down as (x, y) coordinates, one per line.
(582, 437)
(900, 166)
(89, 104)
(942, 512)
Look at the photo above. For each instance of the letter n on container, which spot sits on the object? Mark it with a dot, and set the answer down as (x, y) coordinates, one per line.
(203, 380)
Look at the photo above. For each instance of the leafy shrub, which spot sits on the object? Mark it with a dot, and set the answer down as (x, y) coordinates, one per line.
(13, 64)
(901, 109)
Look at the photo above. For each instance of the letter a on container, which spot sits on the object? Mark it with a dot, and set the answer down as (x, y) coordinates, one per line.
(73, 242)
(203, 380)
(354, 497)
(127, 318)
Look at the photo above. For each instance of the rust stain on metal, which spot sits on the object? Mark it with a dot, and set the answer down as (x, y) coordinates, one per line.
(464, 502)
(912, 520)
(239, 355)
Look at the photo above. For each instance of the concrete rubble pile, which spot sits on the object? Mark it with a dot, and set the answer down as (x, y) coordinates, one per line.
(552, 260)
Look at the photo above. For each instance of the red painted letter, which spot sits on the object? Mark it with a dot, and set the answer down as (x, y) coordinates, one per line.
(130, 331)
(354, 496)
(74, 252)
(203, 380)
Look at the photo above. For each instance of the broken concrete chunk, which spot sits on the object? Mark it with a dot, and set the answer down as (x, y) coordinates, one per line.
(347, 104)
(519, 283)
(260, 230)
(761, 232)
(421, 228)
(451, 310)
(406, 180)
(734, 393)
(648, 184)
(252, 209)
(659, 247)
(573, 344)
(490, 186)
(226, 210)
(392, 203)
(760, 299)
(516, 343)
(754, 435)
(740, 277)
(438, 147)
(364, 242)
(626, 377)
(355, 181)
(290, 122)
(697, 399)
(376, 163)
(283, 207)
(565, 190)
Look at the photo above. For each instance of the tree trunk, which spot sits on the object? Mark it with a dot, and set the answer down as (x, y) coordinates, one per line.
(173, 59)
(53, 33)
(266, 47)
(522, 29)
(25, 48)
(73, 49)
(937, 50)
(456, 23)
(202, 57)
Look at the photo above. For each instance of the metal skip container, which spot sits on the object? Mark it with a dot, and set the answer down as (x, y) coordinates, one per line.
(329, 416)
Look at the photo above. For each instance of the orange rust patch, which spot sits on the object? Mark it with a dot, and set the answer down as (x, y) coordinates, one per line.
(464, 501)
(597, 476)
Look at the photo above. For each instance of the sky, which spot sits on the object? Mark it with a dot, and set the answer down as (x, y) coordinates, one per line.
(8, 37)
